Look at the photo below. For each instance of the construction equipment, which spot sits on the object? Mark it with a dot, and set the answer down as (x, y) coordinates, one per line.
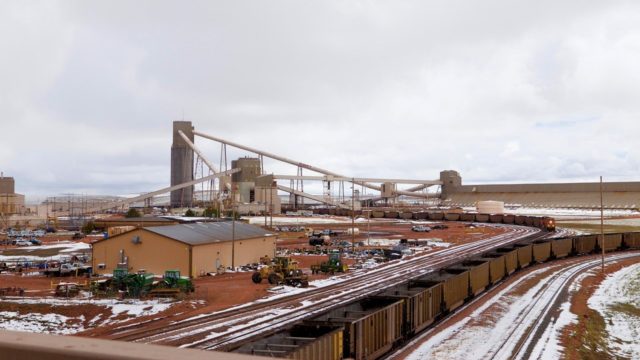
(282, 270)
(65, 289)
(173, 280)
(332, 266)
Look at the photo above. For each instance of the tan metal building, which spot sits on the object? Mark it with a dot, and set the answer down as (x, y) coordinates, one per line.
(194, 249)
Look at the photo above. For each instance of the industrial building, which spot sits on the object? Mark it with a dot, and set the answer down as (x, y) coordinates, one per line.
(10, 202)
(194, 249)
(616, 195)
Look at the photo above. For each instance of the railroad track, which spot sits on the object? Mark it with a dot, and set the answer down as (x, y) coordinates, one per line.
(522, 339)
(223, 330)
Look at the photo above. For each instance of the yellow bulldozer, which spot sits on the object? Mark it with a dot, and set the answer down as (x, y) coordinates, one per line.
(281, 270)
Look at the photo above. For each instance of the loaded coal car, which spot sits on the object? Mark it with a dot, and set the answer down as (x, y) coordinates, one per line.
(561, 248)
(455, 286)
(631, 240)
(612, 242)
(541, 251)
(470, 217)
(497, 266)
(302, 342)
(372, 326)
(584, 244)
(478, 272)
(510, 258)
(422, 304)
(525, 254)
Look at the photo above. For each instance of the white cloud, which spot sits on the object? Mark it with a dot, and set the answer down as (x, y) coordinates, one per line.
(499, 90)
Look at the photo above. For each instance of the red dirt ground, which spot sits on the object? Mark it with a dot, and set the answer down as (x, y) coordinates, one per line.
(218, 292)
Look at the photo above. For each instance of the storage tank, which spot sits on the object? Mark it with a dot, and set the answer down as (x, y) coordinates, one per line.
(490, 207)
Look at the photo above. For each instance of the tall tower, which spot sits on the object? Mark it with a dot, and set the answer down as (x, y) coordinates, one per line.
(181, 165)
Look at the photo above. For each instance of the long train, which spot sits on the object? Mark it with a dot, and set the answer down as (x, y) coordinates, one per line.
(542, 222)
(371, 327)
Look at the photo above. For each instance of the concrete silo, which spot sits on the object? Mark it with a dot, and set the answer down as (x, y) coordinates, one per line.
(181, 164)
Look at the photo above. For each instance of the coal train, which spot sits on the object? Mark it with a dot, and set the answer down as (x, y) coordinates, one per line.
(369, 328)
(543, 222)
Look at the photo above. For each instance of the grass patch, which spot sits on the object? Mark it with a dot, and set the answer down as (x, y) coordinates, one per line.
(626, 308)
(595, 228)
(594, 341)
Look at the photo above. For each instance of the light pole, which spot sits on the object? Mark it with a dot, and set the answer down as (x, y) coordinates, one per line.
(353, 218)
(602, 223)
(233, 231)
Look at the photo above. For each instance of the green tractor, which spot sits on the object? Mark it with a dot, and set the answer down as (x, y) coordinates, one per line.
(139, 284)
(173, 280)
(332, 266)
(118, 281)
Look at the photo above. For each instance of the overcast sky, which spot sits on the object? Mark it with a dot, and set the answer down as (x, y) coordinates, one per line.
(502, 91)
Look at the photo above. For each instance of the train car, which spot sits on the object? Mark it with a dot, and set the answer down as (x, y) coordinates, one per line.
(520, 220)
(510, 258)
(561, 248)
(508, 219)
(371, 326)
(332, 211)
(407, 215)
(470, 217)
(541, 251)
(496, 218)
(584, 244)
(631, 240)
(323, 211)
(478, 274)
(421, 215)
(436, 215)
(497, 267)
(422, 303)
(455, 287)
(378, 214)
(300, 342)
(525, 254)
(529, 220)
(483, 218)
(391, 214)
(452, 216)
(612, 242)
(536, 222)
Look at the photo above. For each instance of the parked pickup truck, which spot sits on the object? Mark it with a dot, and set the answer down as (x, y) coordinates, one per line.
(67, 269)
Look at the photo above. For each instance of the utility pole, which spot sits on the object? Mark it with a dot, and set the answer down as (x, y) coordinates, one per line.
(353, 217)
(369, 227)
(233, 231)
(602, 223)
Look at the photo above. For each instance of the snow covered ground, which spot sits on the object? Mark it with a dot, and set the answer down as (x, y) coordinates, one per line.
(64, 249)
(495, 328)
(53, 323)
(565, 214)
(617, 299)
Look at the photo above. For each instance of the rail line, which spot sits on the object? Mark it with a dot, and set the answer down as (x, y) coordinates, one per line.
(223, 329)
(558, 287)
(527, 330)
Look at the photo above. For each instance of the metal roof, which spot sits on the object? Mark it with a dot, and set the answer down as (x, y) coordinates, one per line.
(206, 233)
